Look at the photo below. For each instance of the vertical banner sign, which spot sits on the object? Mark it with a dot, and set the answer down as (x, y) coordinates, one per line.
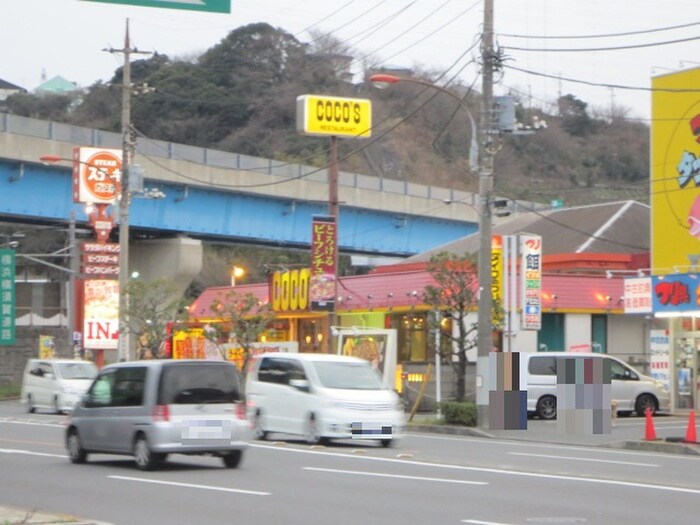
(531, 278)
(322, 282)
(101, 314)
(637, 294)
(660, 362)
(7, 297)
(497, 279)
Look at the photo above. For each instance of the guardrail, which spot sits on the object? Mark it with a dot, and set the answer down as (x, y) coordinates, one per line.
(220, 159)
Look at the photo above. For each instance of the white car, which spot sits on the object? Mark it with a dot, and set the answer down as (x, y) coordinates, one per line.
(633, 391)
(55, 384)
(322, 397)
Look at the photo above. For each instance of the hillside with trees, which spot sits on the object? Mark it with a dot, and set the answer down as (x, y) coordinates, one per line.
(240, 96)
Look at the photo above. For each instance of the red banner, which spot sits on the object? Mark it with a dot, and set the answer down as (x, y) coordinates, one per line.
(324, 257)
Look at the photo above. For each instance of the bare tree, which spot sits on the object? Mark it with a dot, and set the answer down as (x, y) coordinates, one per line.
(242, 320)
(455, 297)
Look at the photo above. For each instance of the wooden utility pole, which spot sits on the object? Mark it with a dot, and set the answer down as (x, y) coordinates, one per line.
(123, 351)
(485, 314)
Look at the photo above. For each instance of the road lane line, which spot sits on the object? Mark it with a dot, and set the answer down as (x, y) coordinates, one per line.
(488, 470)
(396, 476)
(191, 485)
(479, 522)
(30, 453)
(574, 458)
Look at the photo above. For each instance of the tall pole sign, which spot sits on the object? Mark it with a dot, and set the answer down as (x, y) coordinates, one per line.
(211, 6)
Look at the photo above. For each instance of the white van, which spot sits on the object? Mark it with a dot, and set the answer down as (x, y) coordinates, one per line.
(322, 397)
(56, 384)
(633, 392)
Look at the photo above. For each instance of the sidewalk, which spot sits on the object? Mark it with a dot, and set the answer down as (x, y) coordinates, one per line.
(16, 516)
(623, 435)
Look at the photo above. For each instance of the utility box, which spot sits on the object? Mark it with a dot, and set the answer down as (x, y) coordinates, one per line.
(504, 110)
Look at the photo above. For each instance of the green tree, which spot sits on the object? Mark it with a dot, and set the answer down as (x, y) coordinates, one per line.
(454, 296)
(243, 319)
(152, 305)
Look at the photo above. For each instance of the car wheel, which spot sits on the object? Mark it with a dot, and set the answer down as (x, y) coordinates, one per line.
(313, 435)
(143, 456)
(233, 459)
(76, 452)
(386, 443)
(643, 402)
(30, 404)
(258, 431)
(547, 407)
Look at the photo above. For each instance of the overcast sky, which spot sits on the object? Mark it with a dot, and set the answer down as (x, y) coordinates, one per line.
(67, 38)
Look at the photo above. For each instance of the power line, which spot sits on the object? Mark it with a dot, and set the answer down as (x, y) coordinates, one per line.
(609, 48)
(606, 35)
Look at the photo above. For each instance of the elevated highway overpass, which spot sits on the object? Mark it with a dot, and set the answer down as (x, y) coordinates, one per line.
(226, 197)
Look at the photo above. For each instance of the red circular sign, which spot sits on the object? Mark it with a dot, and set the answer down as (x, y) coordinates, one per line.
(102, 176)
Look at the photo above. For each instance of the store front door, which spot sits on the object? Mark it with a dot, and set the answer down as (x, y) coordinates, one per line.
(686, 359)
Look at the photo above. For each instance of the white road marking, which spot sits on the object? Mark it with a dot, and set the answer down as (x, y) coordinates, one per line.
(30, 422)
(574, 458)
(479, 522)
(30, 453)
(396, 476)
(191, 485)
(507, 472)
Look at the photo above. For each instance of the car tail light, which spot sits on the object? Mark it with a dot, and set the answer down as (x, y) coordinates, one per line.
(241, 411)
(161, 413)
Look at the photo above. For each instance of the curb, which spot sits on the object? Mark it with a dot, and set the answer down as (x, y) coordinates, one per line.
(658, 445)
(19, 516)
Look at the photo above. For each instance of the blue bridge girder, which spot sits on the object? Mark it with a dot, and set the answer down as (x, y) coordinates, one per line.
(207, 195)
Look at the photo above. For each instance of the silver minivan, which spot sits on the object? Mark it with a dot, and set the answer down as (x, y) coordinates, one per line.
(631, 390)
(153, 408)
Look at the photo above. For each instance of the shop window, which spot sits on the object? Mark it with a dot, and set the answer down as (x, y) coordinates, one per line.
(599, 333)
(550, 338)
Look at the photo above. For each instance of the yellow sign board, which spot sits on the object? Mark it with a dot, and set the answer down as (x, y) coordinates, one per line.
(675, 171)
(323, 115)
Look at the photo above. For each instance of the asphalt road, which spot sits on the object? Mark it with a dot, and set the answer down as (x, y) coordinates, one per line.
(426, 478)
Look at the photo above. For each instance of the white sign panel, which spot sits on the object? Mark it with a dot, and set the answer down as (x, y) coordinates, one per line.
(637, 294)
(97, 175)
(660, 357)
(101, 314)
(531, 282)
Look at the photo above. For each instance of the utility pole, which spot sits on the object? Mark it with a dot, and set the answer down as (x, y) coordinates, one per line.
(73, 272)
(485, 313)
(123, 351)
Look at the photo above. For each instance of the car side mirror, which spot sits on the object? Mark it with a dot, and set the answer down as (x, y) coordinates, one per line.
(300, 384)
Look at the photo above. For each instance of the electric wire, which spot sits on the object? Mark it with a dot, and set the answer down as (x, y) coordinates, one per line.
(608, 48)
(605, 35)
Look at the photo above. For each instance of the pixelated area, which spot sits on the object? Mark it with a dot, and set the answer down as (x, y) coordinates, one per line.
(370, 431)
(584, 395)
(507, 402)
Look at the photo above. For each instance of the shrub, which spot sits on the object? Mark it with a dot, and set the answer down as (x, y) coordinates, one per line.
(9, 391)
(459, 413)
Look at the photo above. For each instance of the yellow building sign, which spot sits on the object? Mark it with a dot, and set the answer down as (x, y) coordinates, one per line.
(325, 116)
(675, 172)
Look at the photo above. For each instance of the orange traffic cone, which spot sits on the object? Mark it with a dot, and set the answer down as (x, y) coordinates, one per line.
(650, 433)
(691, 434)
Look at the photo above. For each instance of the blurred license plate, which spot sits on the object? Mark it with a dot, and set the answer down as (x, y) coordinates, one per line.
(371, 431)
(197, 429)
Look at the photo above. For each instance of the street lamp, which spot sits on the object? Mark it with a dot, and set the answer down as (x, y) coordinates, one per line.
(484, 315)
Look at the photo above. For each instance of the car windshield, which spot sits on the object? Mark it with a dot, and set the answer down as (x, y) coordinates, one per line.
(198, 383)
(77, 370)
(351, 376)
